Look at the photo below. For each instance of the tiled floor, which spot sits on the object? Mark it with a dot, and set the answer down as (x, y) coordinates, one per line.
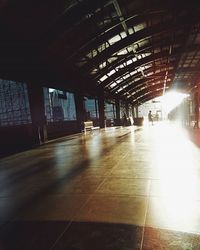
(120, 188)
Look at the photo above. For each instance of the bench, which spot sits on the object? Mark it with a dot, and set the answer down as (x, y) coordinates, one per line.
(88, 125)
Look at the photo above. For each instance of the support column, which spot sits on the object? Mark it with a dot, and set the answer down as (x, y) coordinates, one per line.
(127, 109)
(136, 111)
(80, 110)
(101, 105)
(188, 111)
(117, 105)
(37, 109)
(133, 111)
(196, 108)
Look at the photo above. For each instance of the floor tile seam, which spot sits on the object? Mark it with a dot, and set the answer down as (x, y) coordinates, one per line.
(145, 219)
(129, 178)
(60, 236)
(116, 166)
(72, 219)
(106, 178)
(120, 195)
(93, 194)
(110, 172)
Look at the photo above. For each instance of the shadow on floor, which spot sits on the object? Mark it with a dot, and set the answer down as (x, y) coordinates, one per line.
(61, 235)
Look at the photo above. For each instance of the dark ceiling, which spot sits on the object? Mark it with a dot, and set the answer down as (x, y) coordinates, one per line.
(131, 49)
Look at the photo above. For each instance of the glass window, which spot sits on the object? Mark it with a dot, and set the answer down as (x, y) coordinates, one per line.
(110, 110)
(14, 103)
(59, 105)
(122, 109)
(91, 107)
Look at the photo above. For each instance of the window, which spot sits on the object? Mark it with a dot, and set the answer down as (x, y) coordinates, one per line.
(91, 107)
(14, 103)
(110, 110)
(59, 105)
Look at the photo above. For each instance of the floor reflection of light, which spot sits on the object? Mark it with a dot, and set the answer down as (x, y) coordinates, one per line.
(174, 162)
(132, 136)
(94, 147)
(176, 214)
(145, 122)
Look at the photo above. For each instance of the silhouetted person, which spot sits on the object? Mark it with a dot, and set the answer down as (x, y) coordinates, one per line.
(150, 117)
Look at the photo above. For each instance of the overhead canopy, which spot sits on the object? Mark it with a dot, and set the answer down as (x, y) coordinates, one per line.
(131, 49)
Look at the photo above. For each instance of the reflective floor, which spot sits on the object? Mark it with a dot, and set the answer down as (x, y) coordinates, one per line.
(117, 189)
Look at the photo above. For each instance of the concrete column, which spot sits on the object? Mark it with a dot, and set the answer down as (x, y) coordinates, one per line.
(117, 105)
(80, 110)
(136, 112)
(188, 112)
(37, 109)
(196, 108)
(127, 109)
(101, 105)
(133, 111)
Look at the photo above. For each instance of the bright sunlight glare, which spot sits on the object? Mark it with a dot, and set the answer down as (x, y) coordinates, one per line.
(170, 100)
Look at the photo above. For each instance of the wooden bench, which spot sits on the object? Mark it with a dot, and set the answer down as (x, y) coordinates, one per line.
(88, 125)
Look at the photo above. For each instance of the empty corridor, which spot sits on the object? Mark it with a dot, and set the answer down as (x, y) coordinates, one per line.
(119, 188)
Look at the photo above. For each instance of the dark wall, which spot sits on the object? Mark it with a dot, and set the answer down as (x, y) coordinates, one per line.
(57, 129)
(16, 138)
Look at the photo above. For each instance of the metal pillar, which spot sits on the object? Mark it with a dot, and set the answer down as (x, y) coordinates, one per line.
(117, 105)
(101, 102)
(136, 112)
(37, 109)
(80, 110)
(196, 108)
(127, 109)
(133, 111)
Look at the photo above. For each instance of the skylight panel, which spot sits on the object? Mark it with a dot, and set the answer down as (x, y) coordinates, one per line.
(111, 72)
(133, 72)
(122, 52)
(139, 27)
(113, 85)
(129, 62)
(123, 34)
(103, 78)
(114, 39)
(102, 65)
(119, 80)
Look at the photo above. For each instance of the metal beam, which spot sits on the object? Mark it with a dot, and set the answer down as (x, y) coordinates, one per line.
(133, 38)
(146, 60)
(148, 97)
(104, 35)
(143, 49)
(137, 64)
(142, 80)
(150, 88)
(142, 83)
